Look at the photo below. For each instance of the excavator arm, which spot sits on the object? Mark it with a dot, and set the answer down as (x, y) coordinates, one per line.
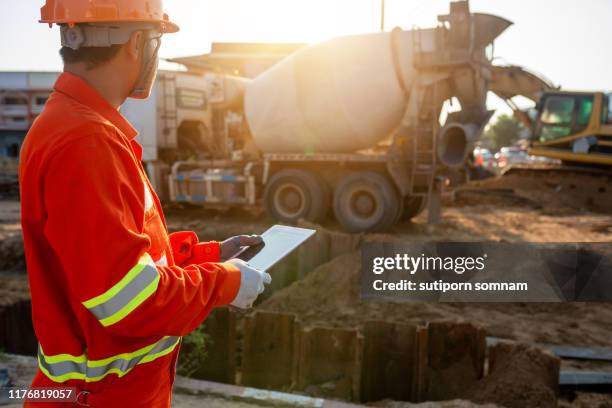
(508, 81)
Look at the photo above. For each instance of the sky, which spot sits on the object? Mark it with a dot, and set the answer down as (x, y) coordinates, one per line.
(568, 41)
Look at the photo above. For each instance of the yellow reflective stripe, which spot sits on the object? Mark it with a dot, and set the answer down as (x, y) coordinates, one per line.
(142, 262)
(124, 356)
(149, 358)
(64, 377)
(116, 371)
(125, 296)
(95, 370)
(61, 378)
(58, 358)
(133, 304)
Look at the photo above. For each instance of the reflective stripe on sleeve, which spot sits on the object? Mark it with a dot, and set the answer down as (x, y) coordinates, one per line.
(127, 294)
(64, 367)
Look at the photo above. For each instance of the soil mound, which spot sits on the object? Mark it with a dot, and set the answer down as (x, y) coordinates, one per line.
(551, 190)
(519, 376)
(330, 295)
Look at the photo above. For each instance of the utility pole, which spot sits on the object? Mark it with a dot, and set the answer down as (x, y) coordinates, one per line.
(382, 15)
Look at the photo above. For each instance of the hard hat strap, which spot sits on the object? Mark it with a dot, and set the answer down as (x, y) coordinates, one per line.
(148, 67)
(99, 35)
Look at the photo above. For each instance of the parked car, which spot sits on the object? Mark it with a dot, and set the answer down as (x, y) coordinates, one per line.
(511, 155)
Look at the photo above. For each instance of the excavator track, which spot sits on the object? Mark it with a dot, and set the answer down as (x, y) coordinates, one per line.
(546, 187)
(555, 169)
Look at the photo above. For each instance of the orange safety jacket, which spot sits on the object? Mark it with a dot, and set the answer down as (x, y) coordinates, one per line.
(112, 291)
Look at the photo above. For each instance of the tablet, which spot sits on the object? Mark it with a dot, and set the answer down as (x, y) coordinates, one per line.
(278, 242)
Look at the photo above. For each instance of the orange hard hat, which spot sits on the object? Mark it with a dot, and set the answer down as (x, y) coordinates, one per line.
(106, 11)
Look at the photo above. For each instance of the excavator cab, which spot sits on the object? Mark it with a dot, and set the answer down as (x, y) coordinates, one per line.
(562, 115)
(574, 127)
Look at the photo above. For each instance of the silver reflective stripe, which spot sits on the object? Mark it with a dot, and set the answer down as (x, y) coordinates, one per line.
(62, 368)
(95, 370)
(123, 365)
(126, 295)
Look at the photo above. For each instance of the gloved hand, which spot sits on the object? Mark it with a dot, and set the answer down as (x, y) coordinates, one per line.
(251, 284)
(232, 245)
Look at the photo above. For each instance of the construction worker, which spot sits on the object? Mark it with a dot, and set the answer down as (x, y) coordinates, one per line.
(112, 291)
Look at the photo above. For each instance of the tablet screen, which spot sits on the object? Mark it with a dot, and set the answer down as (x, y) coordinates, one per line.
(279, 241)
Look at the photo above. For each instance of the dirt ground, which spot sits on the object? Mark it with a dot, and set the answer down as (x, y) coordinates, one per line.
(22, 369)
(330, 295)
(544, 208)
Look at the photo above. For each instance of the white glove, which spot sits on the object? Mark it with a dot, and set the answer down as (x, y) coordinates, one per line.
(251, 284)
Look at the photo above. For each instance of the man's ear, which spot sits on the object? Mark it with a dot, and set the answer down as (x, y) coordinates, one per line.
(134, 45)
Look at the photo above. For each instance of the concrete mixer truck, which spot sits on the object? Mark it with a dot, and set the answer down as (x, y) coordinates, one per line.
(351, 124)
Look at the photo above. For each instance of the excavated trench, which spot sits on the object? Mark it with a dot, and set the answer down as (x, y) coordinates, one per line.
(16, 331)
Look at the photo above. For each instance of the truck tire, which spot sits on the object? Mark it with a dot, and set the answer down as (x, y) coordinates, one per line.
(366, 201)
(413, 206)
(293, 194)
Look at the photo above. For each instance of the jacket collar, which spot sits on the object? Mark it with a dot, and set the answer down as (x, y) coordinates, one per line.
(79, 90)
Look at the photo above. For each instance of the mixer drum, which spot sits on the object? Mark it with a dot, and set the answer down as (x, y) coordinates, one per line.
(339, 96)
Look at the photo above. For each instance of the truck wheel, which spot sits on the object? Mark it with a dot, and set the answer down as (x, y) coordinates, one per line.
(292, 194)
(413, 206)
(366, 201)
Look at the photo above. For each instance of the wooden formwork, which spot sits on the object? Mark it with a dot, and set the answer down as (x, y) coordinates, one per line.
(455, 359)
(313, 253)
(382, 360)
(268, 354)
(329, 362)
(324, 246)
(390, 356)
(220, 362)
(284, 274)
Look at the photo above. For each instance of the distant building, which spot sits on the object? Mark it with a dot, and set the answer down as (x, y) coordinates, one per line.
(239, 59)
(22, 97)
(23, 94)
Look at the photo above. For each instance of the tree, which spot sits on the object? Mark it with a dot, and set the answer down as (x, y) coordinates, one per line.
(504, 132)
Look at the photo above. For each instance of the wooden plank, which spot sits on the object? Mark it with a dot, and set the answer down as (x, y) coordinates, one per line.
(420, 383)
(579, 353)
(341, 243)
(389, 361)
(220, 362)
(329, 362)
(576, 378)
(268, 354)
(314, 252)
(455, 354)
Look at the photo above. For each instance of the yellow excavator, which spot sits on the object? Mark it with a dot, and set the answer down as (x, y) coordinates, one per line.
(572, 126)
